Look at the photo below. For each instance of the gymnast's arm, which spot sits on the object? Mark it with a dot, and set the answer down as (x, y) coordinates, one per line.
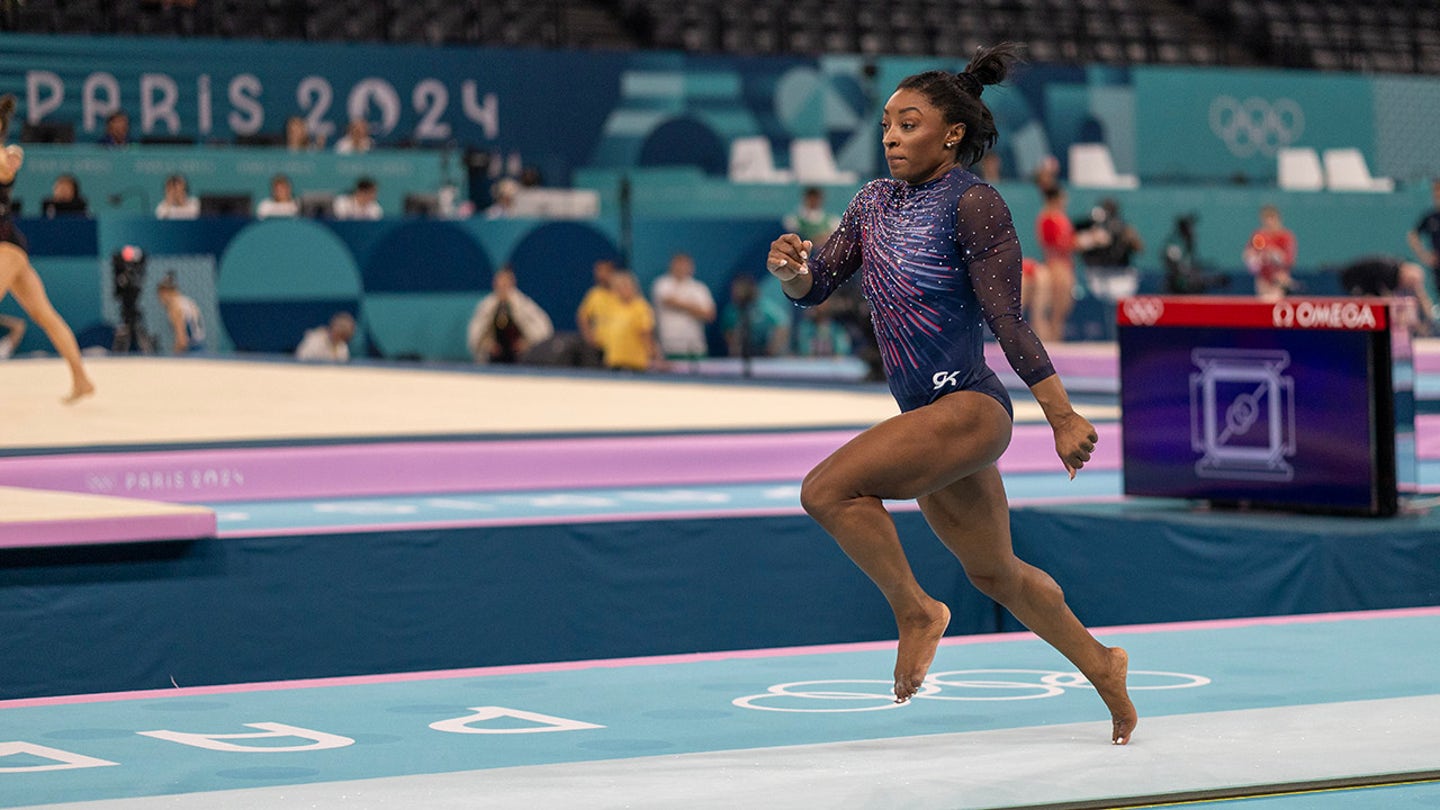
(985, 233)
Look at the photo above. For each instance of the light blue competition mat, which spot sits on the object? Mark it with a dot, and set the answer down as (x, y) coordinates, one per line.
(1228, 709)
(251, 518)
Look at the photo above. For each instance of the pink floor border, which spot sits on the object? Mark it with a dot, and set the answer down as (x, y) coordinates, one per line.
(502, 465)
(692, 658)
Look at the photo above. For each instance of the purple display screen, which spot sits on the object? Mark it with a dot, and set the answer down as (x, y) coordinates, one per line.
(1281, 417)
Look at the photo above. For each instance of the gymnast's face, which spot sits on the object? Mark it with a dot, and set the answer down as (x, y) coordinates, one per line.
(914, 133)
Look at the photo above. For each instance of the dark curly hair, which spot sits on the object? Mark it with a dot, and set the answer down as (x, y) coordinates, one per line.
(957, 96)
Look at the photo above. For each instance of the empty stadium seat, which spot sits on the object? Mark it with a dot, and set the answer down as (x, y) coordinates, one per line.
(1091, 166)
(1346, 170)
(753, 161)
(813, 162)
(1298, 169)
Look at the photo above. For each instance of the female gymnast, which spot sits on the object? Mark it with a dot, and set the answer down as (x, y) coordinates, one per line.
(20, 279)
(937, 252)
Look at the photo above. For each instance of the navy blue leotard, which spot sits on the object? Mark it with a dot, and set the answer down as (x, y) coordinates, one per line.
(8, 231)
(937, 259)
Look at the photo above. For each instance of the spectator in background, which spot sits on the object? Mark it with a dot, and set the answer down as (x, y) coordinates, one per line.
(186, 324)
(595, 308)
(819, 334)
(360, 203)
(65, 199)
(1270, 256)
(810, 221)
(627, 332)
(503, 194)
(753, 326)
(1056, 235)
(356, 139)
(14, 332)
(1428, 229)
(298, 137)
(683, 305)
(1388, 276)
(1036, 289)
(177, 202)
(117, 130)
(991, 169)
(281, 202)
(1047, 174)
(329, 343)
(1108, 245)
(506, 323)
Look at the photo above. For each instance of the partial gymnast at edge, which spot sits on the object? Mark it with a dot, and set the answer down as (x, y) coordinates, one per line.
(937, 252)
(19, 278)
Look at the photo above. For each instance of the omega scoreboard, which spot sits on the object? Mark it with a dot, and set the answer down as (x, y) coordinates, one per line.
(1288, 404)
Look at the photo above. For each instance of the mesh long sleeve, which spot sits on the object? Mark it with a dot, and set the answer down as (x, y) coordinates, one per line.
(986, 234)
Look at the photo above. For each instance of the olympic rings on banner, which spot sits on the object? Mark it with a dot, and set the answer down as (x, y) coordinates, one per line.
(1256, 125)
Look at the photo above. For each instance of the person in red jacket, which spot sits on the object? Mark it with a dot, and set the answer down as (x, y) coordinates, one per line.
(1270, 256)
(1056, 234)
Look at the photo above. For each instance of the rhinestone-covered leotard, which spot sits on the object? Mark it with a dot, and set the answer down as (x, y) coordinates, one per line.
(938, 259)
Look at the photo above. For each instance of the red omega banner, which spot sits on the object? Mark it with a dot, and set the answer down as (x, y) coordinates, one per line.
(1346, 314)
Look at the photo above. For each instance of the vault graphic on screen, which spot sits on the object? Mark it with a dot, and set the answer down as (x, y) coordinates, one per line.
(1242, 414)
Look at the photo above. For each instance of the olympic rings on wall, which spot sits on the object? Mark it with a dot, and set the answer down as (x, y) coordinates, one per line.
(1256, 125)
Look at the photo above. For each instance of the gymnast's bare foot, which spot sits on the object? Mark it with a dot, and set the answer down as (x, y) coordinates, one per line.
(1111, 686)
(82, 389)
(918, 639)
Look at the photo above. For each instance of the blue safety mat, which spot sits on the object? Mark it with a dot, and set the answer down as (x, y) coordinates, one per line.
(222, 738)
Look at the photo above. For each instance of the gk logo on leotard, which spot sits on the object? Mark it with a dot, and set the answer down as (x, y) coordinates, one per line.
(944, 378)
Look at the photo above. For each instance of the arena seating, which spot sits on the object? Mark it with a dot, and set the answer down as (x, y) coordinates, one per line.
(1397, 36)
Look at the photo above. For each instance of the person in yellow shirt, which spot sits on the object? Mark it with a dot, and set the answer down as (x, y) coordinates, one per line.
(627, 332)
(598, 303)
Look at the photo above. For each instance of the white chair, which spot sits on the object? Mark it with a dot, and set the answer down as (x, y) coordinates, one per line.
(1091, 166)
(1299, 169)
(813, 162)
(752, 161)
(1345, 170)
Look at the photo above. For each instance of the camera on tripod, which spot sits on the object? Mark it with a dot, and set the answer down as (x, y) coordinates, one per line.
(128, 269)
(1185, 273)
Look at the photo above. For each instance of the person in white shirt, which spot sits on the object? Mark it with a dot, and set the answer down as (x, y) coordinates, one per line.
(356, 139)
(503, 194)
(281, 202)
(683, 305)
(329, 343)
(506, 322)
(186, 322)
(177, 204)
(360, 203)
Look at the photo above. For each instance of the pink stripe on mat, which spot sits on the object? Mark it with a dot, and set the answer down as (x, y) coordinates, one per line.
(692, 658)
(410, 468)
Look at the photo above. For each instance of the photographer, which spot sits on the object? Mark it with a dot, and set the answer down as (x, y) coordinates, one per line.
(1108, 245)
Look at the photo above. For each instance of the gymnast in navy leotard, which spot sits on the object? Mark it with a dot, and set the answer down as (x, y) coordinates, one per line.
(939, 260)
(19, 279)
